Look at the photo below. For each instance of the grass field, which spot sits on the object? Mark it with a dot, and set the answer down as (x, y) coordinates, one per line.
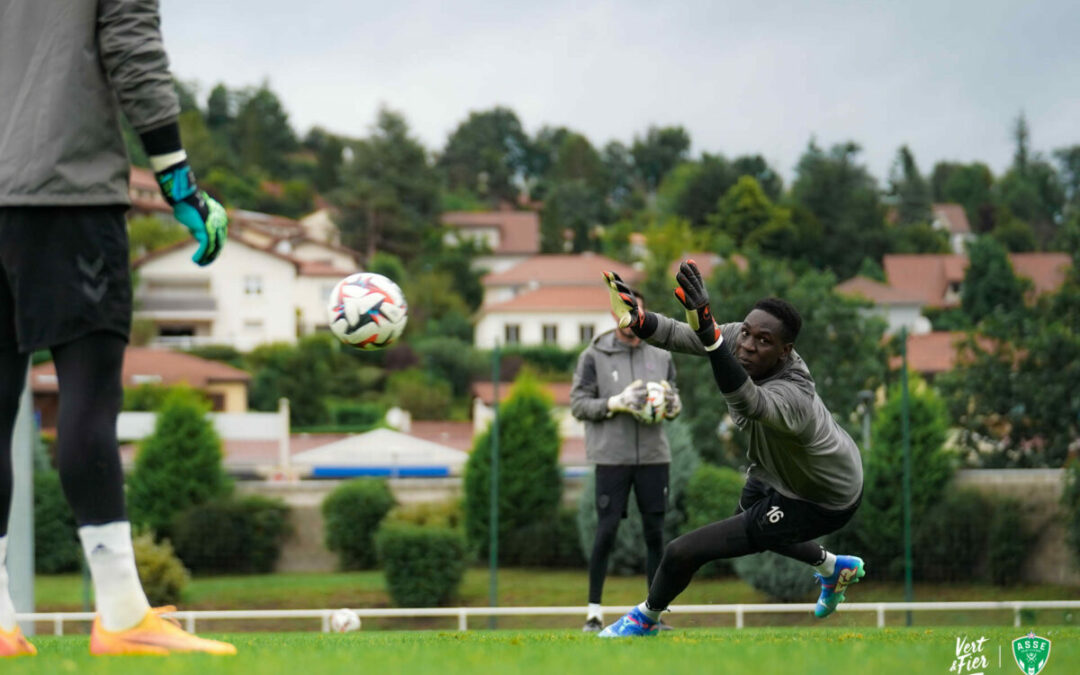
(805, 651)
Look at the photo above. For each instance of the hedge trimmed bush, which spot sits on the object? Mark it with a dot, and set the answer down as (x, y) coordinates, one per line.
(162, 574)
(782, 579)
(351, 515)
(446, 514)
(56, 538)
(949, 542)
(1070, 502)
(424, 566)
(712, 494)
(238, 536)
(551, 542)
(1009, 542)
(355, 413)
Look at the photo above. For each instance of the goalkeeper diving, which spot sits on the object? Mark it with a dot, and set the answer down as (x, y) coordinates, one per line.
(805, 476)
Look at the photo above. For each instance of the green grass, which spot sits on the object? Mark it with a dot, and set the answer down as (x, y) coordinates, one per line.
(806, 651)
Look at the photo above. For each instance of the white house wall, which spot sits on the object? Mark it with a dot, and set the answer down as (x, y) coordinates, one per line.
(309, 251)
(491, 327)
(312, 295)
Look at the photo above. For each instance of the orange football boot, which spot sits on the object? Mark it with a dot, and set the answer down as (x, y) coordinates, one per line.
(15, 644)
(153, 635)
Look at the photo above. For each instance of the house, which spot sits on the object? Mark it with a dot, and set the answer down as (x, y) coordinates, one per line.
(226, 387)
(511, 236)
(899, 308)
(145, 195)
(251, 295)
(938, 278)
(931, 354)
(952, 219)
(561, 269)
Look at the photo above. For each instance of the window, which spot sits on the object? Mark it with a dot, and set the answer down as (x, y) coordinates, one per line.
(252, 284)
(586, 332)
(551, 333)
(253, 325)
(512, 333)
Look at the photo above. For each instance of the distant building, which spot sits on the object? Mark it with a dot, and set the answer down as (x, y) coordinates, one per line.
(511, 236)
(952, 219)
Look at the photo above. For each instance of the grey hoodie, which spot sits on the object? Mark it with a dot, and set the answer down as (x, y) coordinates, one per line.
(67, 69)
(603, 370)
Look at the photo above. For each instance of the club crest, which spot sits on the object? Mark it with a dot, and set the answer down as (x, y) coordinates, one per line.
(1031, 653)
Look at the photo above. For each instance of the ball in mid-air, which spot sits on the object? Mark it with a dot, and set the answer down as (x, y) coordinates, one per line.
(344, 621)
(367, 311)
(655, 403)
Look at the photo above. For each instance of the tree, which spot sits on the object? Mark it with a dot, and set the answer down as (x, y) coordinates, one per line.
(486, 154)
(220, 108)
(1031, 190)
(624, 186)
(692, 189)
(910, 190)
(263, 135)
(572, 211)
(329, 152)
(746, 211)
(969, 185)
(149, 233)
(990, 286)
(530, 485)
(757, 168)
(658, 152)
(1069, 161)
(843, 197)
(390, 192)
(176, 467)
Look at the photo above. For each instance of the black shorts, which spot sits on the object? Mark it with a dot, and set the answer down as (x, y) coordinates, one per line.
(774, 520)
(613, 481)
(63, 274)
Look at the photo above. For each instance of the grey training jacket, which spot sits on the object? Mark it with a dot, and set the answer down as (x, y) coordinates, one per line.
(795, 445)
(67, 69)
(603, 370)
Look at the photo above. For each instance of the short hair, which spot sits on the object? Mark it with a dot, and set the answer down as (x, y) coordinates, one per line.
(785, 312)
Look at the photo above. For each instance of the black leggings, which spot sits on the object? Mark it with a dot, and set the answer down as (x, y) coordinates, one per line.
(89, 374)
(606, 528)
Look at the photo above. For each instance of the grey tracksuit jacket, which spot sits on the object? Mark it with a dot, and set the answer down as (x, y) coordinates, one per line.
(795, 444)
(67, 69)
(603, 370)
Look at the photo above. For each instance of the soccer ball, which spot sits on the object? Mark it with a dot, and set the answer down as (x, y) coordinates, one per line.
(655, 403)
(344, 621)
(367, 311)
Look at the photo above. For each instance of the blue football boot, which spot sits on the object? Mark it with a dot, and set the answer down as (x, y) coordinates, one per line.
(849, 569)
(634, 624)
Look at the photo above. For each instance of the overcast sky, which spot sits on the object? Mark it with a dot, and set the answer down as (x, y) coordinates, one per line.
(947, 78)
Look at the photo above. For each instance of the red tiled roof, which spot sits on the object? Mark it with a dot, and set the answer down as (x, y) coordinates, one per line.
(954, 217)
(321, 268)
(592, 298)
(172, 367)
(576, 269)
(933, 353)
(485, 391)
(1046, 270)
(877, 292)
(519, 230)
(928, 275)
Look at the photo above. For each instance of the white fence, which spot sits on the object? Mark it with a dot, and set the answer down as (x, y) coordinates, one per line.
(189, 618)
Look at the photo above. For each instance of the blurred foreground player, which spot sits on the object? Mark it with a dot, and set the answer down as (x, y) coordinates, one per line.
(67, 69)
(805, 478)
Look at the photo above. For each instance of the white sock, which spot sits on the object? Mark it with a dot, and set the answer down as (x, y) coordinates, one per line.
(653, 614)
(595, 611)
(828, 566)
(118, 593)
(7, 607)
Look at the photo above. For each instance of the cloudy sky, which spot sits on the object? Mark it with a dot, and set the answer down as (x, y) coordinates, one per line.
(947, 78)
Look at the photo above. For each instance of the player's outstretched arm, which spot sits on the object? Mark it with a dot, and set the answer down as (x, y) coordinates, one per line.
(694, 298)
(657, 329)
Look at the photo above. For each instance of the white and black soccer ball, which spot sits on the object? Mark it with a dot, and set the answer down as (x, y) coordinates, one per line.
(344, 621)
(367, 311)
(655, 403)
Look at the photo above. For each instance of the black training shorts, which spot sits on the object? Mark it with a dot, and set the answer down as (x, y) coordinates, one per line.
(775, 520)
(63, 274)
(613, 482)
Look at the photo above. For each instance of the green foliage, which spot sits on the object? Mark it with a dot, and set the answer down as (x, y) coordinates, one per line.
(969, 185)
(355, 414)
(178, 466)
(573, 212)
(421, 393)
(150, 396)
(150, 233)
(262, 133)
(878, 524)
(745, 213)
(432, 295)
(628, 554)
(949, 543)
(990, 286)
(919, 238)
(551, 542)
(351, 515)
(56, 538)
(529, 483)
(424, 566)
(447, 514)
(1070, 503)
(224, 353)
(782, 579)
(692, 189)
(910, 189)
(658, 152)
(712, 495)
(1009, 542)
(546, 360)
(232, 536)
(451, 360)
(162, 574)
(389, 266)
(1015, 235)
(485, 154)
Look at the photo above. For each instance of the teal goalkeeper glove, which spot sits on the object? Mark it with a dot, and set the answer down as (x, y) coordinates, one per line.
(203, 216)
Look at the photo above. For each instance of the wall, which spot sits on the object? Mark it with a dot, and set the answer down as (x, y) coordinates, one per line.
(491, 327)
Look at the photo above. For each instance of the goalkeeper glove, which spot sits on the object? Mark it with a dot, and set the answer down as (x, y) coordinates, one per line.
(629, 400)
(202, 215)
(672, 402)
(625, 308)
(695, 300)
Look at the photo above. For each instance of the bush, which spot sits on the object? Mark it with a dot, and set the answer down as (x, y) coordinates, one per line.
(424, 566)
(782, 579)
(351, 515)
(423, 395)
(445, 514)
(551, 542)
(452, 360)
(1009, 542)
(530, 483)
(949, 542)
(629, 553)
(711, 495)
(1070, 501)
(546, 359)
(56, 538)
(240, 536)
(347, 412)
(178, 466)
(162, 574)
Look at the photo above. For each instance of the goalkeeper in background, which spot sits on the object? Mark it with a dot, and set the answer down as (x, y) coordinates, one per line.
(805, 478)
(609, 394)
(67, 70)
